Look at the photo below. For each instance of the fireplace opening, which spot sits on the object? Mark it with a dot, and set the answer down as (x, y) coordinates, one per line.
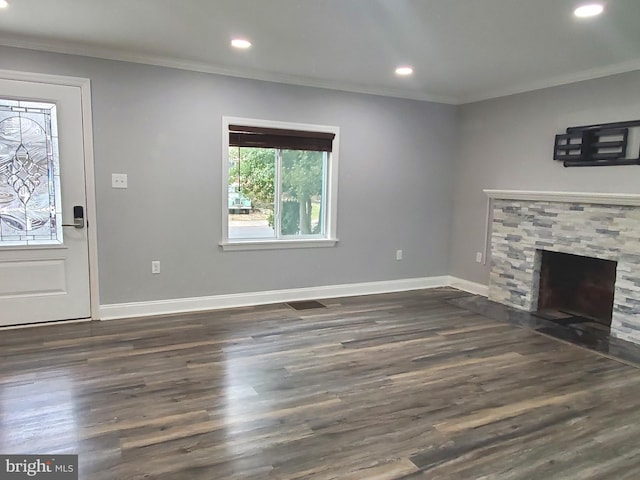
(577, 285)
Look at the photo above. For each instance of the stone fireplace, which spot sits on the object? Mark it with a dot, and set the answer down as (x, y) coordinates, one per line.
(603, 227)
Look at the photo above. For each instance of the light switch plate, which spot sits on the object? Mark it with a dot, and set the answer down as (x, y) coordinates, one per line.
(118, 180)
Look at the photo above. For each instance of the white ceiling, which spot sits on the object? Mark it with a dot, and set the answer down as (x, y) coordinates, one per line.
(461, 50)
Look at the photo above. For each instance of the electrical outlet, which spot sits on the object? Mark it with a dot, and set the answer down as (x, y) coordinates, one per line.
(118, 180)
(155, 266)
(398, 254)
(479, 257)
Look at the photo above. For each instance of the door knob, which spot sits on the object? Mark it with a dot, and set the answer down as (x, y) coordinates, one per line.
(78, 217)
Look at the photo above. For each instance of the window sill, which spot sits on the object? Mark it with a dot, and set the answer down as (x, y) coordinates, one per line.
(232, 245)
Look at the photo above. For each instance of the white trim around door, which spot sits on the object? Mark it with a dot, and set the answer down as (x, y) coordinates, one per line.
(87, 129)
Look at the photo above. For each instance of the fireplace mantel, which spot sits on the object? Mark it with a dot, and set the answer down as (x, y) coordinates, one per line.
(630, 199)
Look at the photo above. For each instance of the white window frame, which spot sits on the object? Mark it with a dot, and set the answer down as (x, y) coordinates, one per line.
(330, 238)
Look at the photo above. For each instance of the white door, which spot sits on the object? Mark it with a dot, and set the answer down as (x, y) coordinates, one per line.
(44, 264)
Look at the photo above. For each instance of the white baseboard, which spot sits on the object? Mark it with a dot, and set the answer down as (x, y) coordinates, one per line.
(196, 304)
(467, 286)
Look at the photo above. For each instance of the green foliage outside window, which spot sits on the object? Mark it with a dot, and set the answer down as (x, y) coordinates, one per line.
(302, 172)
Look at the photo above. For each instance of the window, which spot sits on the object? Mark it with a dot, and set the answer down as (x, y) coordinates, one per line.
(30, 211)
(280, 184)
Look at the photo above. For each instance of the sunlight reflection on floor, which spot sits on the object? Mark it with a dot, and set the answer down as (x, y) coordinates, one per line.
(36, 410)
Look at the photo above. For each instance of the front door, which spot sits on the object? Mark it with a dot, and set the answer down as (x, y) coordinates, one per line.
(44, 255)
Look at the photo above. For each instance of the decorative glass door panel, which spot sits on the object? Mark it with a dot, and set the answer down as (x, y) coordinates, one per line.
(30, 206)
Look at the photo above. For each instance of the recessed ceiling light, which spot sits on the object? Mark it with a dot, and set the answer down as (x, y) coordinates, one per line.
(4, 4)
(404, 70)
(238, 42)
(590, 10)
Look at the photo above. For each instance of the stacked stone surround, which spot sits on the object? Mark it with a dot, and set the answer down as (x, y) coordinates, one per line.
(522, 228)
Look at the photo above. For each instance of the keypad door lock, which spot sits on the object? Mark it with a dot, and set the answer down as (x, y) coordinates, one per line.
(78, 217)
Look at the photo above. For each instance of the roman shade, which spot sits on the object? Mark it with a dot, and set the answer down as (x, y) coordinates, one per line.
(260, 137)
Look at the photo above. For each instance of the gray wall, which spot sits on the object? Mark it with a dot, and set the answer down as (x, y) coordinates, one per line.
(163, 128)
(507, 143)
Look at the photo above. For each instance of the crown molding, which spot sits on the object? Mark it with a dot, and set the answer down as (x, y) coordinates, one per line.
(582, 76)
(93, 51)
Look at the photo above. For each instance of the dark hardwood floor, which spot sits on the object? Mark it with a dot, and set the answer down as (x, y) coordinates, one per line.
(397, 386)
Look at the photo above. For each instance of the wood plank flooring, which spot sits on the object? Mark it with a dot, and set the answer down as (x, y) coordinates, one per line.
(395, 386)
